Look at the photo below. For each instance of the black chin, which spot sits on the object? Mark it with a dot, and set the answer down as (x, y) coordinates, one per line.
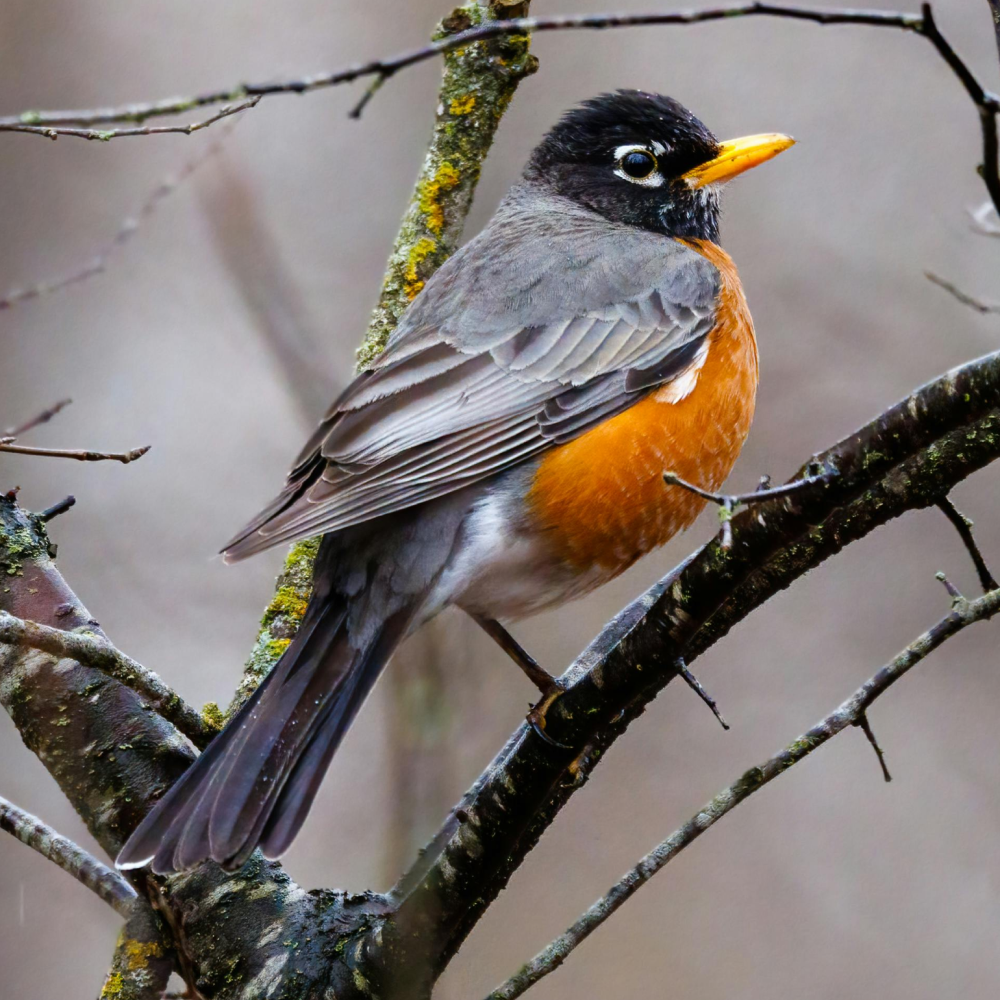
(692, 215)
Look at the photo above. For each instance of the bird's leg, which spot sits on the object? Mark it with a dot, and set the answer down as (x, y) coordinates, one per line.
(549, 686)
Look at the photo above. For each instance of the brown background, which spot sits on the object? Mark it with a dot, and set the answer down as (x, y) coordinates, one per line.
(827, 884)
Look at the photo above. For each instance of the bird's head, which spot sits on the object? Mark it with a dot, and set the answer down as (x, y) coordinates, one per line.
(645, 160)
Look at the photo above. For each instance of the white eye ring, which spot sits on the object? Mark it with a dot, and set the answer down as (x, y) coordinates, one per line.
(652, 180)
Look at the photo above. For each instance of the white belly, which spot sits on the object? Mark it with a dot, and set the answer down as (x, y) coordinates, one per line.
(502, 569)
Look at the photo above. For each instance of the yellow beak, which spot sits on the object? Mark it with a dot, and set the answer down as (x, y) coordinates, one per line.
(737, 155)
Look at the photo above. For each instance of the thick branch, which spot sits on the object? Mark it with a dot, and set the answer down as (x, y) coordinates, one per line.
(70, 857)
(143, 959)
(909, 457)
(851, 713)
(95, 651)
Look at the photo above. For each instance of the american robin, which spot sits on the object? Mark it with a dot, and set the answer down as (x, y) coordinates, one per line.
(504, 454)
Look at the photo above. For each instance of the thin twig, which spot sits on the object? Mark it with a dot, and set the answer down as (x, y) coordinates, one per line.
(964, 528)
(106, 135)
(139, 112)
(995, 12)
(850, 713)
(696, 686)
(6, 444)
(70, 857)
(42, 418)
(728, 502)
(760, 495)
(964, 297)
(100, 654)
(866, 727)
(129, 227)
(56, 509)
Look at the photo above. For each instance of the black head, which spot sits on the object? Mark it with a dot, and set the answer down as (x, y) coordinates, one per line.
(629, 156)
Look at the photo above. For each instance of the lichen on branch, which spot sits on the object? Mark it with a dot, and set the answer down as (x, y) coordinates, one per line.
(478, 83)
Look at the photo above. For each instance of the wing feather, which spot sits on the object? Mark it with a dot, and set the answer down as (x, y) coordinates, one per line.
(549, 322)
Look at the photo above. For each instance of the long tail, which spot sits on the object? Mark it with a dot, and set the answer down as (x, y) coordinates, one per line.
(255, 782)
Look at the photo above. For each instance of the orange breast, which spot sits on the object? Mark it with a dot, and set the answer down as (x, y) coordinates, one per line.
(601, 499)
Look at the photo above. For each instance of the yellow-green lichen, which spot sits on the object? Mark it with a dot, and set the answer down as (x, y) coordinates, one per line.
(462, 105)
(113, 987)
(212, 716)
(479, 81)
(138, 953)
(418, 253)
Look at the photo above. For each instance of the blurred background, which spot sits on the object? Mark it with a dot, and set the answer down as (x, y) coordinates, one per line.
(828, 883)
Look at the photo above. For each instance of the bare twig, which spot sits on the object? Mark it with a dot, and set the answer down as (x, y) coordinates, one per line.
(85, 868)
(41, 418)
(7, 444)
(130, 226)
(696, 686)
(762, 494)
(850, 713)
(986, 103)
(106, 135)
(964, 528)
(385, 68)
(56, 509)
(97, 652)
(964, 297)
(728, 502)
(866, 727)
(995, 12)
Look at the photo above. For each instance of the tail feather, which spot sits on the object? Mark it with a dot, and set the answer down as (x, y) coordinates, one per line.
(255, 782)
(305, 777)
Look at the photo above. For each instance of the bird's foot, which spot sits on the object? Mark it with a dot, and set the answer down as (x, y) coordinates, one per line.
(536, 717)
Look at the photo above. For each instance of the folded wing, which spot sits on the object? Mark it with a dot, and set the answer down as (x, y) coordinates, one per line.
(522, 341)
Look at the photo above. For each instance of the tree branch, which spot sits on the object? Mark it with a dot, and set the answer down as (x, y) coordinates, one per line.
(476, 88)
(143, 959)
(907, 458)
(40, 418)
(106, 135)
(95, 651)
(967, 300)
(852, 712)
(6, 444)
(98, 264)
(963, 526)
(70, 857)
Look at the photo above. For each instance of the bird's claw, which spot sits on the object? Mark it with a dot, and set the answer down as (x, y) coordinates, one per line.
(536, 717)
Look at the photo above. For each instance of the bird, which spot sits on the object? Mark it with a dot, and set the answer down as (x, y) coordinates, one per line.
(504, 454)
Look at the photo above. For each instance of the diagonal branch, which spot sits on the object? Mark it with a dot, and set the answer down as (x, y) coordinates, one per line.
(130, 225)
(907, 458)
(70, 857)
(40, 418)
(95, 651)
(851, 713)
(964, 297)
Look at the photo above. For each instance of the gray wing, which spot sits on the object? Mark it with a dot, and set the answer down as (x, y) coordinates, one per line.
(549, 322)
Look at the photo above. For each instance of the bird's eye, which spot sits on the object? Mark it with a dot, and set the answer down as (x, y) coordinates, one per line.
(637, 164)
